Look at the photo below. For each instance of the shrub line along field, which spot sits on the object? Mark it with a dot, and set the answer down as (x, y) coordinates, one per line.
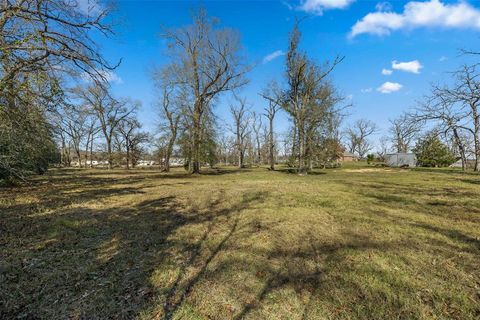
(351, 243)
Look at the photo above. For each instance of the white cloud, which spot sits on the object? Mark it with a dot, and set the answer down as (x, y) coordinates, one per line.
(383, 6)
(416, 14)
(410, 66)
(386, 72)
(273, 55)
(367, 90)
(443, 58)
(389, 87)
(318, 6)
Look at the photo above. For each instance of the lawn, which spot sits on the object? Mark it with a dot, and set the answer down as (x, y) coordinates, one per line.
(352, 243)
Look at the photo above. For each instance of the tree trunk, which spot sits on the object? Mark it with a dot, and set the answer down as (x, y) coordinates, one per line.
(77, 151)
(476, 124)
(127, 145)
(110, 156)
(461, 148)
(91, 151)
(86, 150)
(271, 146)
(240, 159)
(196, 154)
(301, 149)
(195, 165)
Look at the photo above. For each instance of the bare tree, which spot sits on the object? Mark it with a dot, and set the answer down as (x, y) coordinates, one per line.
(383, 148)
(240, 127)
(207, 62)
(448, 116)
(357, 136)
(172, 108)
(404, 130)
(73, 124)
(256, 128)
(92, 129)
(109, 112)
(271, 94)
(466, 94)
(127, 128)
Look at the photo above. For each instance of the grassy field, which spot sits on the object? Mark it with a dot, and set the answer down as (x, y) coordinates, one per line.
(350, 243)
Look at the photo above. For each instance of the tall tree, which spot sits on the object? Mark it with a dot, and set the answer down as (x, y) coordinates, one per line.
(272, 95)
(456, 109)
(304, 98)
(173, 106)
(257, 135)
(240, 127)
(466, 95)
(207, 62)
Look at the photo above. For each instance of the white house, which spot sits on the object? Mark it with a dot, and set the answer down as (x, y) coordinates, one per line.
(145, 163)
(401, 160)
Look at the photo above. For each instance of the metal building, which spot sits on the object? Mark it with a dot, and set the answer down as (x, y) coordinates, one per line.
(401, 160)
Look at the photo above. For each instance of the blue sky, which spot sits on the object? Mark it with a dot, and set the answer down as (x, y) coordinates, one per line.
(422, 39)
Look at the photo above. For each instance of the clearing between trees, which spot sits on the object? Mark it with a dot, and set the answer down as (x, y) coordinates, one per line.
(242, 244)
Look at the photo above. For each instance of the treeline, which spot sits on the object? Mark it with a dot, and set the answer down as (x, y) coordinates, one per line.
(56, 103)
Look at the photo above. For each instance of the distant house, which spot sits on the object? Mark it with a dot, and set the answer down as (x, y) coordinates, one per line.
(348, 157)
(401, 160)
(458, 164)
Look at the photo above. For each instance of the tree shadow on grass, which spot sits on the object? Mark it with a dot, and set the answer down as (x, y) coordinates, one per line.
(296, 172)
(88, 263)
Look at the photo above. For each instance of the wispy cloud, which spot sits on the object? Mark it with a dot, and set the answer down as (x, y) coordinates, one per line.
(389, 87)
(318, 6)
(386, 72)
(273, 56)
(367, 90)
(442, 59)
(410, 66)
(433, 13)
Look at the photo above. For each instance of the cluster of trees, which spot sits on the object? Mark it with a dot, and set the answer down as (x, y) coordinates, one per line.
(45, 45)
(55, 99)
(89, 112)
(206, 61)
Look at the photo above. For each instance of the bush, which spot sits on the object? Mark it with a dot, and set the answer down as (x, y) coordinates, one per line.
(26, 144)
(370, 158)
(431, 152)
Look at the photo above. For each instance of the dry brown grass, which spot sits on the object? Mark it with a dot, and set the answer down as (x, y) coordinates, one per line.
(354, 243)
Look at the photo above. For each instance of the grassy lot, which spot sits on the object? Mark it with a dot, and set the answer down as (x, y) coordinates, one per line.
(351, 243)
